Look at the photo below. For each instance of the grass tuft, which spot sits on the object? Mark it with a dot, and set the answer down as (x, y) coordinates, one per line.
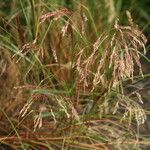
(65, 69)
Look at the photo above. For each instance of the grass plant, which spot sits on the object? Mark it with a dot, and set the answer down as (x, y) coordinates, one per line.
(64, 67)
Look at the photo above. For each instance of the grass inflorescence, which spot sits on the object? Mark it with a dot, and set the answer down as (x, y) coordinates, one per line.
(64, 69)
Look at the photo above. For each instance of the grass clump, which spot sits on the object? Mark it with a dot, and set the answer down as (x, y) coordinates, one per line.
(64, 70)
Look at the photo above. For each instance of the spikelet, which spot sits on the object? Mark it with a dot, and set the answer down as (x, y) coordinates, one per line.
(55, 14)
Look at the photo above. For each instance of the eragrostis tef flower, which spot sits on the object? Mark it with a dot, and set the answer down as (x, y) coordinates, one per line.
(120, 52)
